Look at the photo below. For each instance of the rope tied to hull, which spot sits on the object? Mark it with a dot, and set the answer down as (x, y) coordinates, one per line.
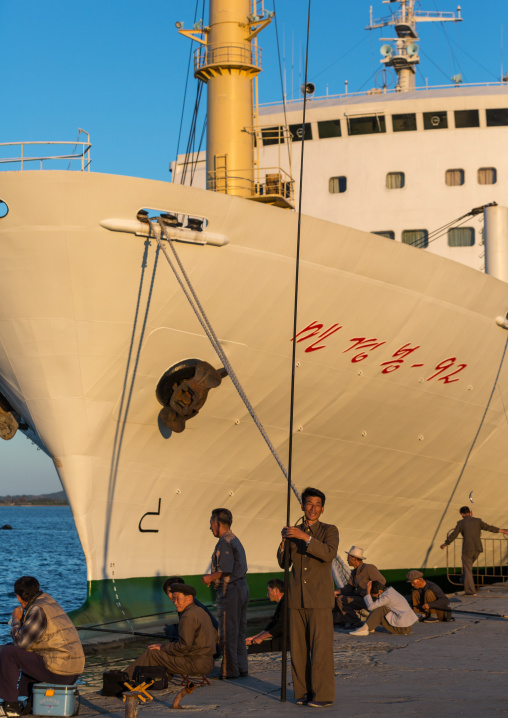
(340, 570)
(190, 293)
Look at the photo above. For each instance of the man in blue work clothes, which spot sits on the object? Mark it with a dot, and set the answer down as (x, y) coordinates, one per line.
(312, 547)
(229, 567)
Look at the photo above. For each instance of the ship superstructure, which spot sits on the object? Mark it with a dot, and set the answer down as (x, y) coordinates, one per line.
(401, 379)
(403, 161)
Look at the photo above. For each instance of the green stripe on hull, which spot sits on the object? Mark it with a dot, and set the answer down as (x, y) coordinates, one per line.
(133, 598)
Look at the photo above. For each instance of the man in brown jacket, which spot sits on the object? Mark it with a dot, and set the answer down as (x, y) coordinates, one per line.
(471, 530)
(350, 599)
(312, 547)
(46, 646)
(192, 654)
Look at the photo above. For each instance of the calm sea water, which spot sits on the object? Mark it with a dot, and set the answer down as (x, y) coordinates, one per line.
(43, 543)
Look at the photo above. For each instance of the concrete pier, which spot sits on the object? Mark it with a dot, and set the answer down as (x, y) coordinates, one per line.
(454, 669)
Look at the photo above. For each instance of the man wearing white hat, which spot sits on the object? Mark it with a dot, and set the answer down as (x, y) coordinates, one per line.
(350, 599)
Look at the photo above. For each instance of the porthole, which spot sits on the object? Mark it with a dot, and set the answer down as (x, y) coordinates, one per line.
(4, 209)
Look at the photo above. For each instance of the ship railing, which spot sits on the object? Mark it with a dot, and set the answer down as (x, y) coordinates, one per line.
(267, 183)
(234, 55)
(383, 91)
(79, 152)
(229, 182)
(418, 15)
(491, 565)
(272, 181)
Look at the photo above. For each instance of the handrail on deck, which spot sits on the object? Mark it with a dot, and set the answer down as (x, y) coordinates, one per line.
(383, 91)
(80, 151)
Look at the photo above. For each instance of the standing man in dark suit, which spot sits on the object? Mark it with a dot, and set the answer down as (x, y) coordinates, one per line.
(471, 530)
(229, 567)
(271, 639)
(312, 547)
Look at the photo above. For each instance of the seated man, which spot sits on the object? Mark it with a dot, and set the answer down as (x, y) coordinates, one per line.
(46, 647)
(171, 629)
(388, 609)
(350, 599)
(428, 598)
(271, 638)
(192, 653)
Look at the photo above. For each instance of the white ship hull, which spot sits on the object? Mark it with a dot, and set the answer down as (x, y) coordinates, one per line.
(90, 319)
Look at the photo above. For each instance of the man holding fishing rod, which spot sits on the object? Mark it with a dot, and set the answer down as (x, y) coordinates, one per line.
(46, 646)
(312, 547)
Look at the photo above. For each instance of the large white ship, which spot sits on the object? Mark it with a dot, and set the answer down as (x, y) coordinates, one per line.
(401, 380)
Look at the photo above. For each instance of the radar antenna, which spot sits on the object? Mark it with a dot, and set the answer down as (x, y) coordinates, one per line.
(403, 54)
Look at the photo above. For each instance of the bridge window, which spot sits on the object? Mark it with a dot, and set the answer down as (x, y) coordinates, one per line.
(454, 178)
(386, 233)
(461, 237)
(337, 185)
(395, 180)
(497, 117)
(272, 135)
(487, 175)
(416, 237)
(435, 120)
(328, 128)
(467, 118)
(404, 123)
(368, 125)
(296, 131)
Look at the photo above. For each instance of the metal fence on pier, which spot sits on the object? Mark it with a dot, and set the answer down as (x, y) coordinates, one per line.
(491, 565)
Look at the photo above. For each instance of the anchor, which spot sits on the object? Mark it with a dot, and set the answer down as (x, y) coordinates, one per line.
(8, 424)
(183, 390)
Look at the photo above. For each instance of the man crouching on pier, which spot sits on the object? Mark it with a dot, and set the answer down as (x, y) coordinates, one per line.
(46, 646)
(192, 654)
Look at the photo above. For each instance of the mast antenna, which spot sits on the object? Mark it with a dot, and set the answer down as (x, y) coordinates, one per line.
(402, 52)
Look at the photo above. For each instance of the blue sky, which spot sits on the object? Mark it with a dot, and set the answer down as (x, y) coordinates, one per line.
(117, 68)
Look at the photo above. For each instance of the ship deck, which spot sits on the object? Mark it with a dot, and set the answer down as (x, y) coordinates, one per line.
(453, 669)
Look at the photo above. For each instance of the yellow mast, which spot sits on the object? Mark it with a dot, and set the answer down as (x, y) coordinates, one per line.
(228, 61)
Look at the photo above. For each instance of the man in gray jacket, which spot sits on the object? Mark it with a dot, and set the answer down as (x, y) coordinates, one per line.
(428, 599)
(471, 530)
(350, 599)
(229, 568)
(388, 609)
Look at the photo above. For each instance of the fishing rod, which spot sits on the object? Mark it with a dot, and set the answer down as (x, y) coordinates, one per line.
(106, 630)
(125, 633)
(473, 613)
(285, 646)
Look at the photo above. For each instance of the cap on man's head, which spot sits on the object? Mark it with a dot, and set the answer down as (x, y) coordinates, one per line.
(183, 588)
(357, 552)
(413, 575)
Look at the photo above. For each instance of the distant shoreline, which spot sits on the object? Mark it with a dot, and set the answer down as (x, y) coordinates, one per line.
(57, 498)
(33, 506)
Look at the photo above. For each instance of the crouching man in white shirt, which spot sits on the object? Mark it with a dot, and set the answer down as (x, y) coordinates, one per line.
(388, 609)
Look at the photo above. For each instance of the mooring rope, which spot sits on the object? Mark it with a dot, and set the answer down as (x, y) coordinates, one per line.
(192, 298)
